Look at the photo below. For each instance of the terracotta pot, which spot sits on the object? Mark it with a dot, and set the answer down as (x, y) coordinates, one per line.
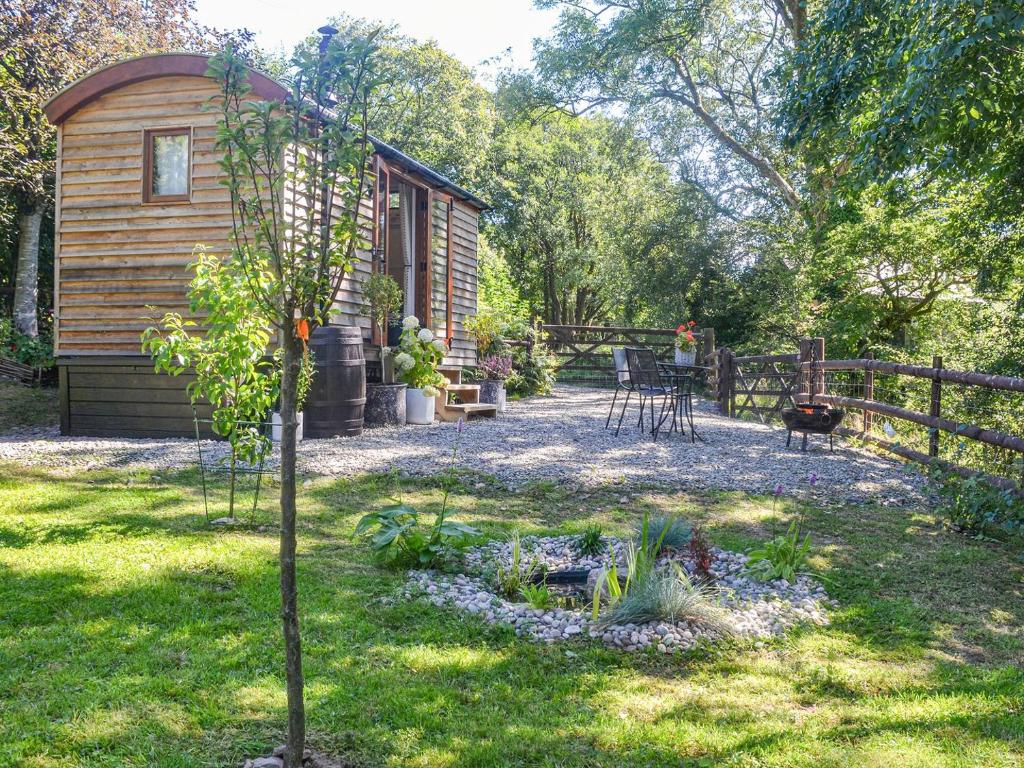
(385, 405)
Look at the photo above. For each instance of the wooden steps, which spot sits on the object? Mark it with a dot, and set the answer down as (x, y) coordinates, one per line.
(461, 401)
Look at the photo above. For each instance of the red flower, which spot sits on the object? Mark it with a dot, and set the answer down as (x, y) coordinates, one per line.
(680, 329)
(689, 335)
(692, 323)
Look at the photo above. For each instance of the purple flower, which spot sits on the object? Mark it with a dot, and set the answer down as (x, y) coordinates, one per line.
(459, 426)
(778, 490)
(814, 479)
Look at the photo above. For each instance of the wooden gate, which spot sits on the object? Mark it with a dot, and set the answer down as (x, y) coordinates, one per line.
(761, 385)
(583, 353)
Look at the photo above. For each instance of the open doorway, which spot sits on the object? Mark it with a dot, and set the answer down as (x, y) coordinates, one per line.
(407, 245)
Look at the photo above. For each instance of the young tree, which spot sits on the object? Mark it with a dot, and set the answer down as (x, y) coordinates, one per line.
(296, 173)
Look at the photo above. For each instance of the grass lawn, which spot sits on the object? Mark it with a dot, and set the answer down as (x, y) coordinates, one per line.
(133, 635)
(26, 406)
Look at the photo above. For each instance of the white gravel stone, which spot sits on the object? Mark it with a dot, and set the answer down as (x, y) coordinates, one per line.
(560, 438)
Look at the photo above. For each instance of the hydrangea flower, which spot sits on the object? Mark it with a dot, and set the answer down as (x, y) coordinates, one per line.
(431, 391)
(403, 361)
(425, 335)
(410, 322)
(440, 346)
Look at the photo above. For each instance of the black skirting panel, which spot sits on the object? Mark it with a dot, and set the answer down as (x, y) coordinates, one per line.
(123, 397)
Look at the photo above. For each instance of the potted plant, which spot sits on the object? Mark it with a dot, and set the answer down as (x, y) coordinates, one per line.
(385, 402)
(495, 371)
(686, 343)
(419, 355)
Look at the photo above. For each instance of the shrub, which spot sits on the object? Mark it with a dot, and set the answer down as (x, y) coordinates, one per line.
(538, 596)
(36, 352)
(533, 370)
(486, 328)
(589, 542)
(667, 594)
(419, 355)
(784, 557)
(672, 531)
(971, 504)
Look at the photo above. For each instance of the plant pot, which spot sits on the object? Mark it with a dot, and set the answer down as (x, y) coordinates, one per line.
(685, 356)
(419, 409)
(276, 427)
(493, 391)
(385, 405)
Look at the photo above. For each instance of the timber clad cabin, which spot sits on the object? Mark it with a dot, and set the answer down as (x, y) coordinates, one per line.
(138, 186)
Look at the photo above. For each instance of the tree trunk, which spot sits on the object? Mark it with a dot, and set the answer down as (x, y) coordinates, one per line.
(26, 281)
(289, 586)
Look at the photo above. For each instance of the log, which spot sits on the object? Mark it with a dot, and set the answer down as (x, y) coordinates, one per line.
(991, 381)
(989, 436)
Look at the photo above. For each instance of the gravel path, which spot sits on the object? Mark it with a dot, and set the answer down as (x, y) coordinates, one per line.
(560, 438)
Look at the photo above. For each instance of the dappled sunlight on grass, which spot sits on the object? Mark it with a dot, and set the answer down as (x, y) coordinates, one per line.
(132, 634)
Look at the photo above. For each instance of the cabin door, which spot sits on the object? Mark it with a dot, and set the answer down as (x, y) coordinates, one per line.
(407, 246)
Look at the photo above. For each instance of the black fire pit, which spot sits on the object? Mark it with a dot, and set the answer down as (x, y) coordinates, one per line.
(812, 417)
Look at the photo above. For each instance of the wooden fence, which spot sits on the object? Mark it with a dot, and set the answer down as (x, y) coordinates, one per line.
(583, 353)
(955, 401)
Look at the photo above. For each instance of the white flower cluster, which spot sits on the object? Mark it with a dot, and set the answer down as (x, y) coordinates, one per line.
(410, 322)
(404, 361)
(425, 335)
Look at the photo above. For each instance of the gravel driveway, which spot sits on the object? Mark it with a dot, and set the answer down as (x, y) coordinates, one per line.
(560, 438)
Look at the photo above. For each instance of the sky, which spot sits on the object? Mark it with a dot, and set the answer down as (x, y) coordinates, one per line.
(470, 30)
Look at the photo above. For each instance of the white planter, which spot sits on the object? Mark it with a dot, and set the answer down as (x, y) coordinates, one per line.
(276, 428)
(686, 357)
(419, 409)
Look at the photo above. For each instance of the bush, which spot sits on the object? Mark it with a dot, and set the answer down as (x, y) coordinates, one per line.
(972, 505)
(533, 370)
(37, 352)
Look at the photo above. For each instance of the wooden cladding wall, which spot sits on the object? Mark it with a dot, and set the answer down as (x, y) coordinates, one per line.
(121, 263)
(111, 397)
(114, 255)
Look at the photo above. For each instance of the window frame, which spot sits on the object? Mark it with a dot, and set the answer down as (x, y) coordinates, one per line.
(148, 135)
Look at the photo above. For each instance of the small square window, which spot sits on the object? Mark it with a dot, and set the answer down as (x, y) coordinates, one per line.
(167, 165)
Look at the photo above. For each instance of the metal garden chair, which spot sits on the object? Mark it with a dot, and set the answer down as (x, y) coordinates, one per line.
(646, 381)
(622, 382)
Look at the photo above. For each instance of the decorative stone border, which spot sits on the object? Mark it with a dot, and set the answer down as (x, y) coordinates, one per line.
(756, 609)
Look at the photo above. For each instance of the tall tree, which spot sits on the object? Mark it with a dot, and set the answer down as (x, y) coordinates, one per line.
(429, 105)
(916, 90)
(297, 173)
(44, 46)
(697, 73)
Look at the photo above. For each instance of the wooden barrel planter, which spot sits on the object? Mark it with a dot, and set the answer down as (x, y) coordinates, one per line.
(338, 395)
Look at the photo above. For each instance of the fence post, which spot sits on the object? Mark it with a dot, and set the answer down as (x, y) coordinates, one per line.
(869, 394)
(710, 358)
(803, 376)
(725, 386)
(818, 346)
(936, 409)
